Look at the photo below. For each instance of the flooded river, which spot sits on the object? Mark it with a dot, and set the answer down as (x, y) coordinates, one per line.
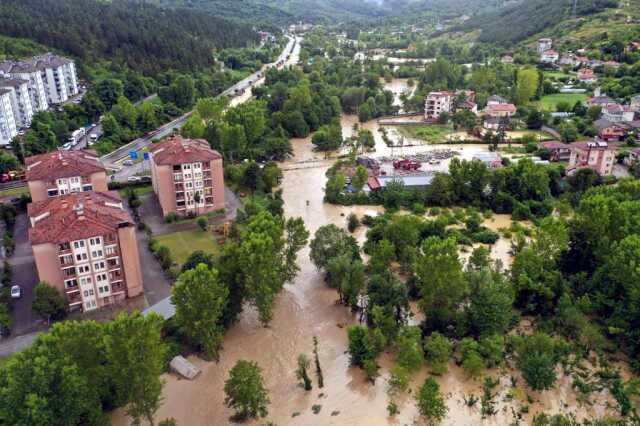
(307, 308)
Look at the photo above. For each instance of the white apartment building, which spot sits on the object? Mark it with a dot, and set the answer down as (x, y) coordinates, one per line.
(51, 79)
(8, 128)
(544, 44)
(20, 100)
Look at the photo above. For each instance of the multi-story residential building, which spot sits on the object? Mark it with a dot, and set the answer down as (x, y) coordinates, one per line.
(62, 172)
(8, 127)
(544, 44)
(437, 103)
(594, 155)
(444, 101)
(51, 79)
(187, 176)
(59, 76)
(617, 113)
(84, 245)
(20, 100)
(549, 56)
(27, 71)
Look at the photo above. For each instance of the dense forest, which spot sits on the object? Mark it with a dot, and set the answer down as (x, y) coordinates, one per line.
(124, 31)
(515, 23)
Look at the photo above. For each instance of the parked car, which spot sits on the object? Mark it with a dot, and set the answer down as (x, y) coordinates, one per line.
(16, 292)
(67, 146)
(134, 179)
(127, 163)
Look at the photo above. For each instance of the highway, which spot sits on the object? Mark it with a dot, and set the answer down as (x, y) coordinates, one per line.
(238, 92)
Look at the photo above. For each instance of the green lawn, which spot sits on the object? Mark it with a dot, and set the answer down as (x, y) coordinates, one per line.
(556, 74)
(549, 102)
(430, 133)
(12, 192)
(140, 190)
(183, 243)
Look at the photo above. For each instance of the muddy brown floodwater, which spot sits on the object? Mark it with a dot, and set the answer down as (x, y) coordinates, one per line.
(307, 308)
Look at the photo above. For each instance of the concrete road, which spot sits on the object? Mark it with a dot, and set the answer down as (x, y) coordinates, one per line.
(25, 275)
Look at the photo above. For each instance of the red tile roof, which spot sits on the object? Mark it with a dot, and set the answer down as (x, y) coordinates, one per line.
(553, 145)
(502, 107)
(62, 164)
(76, 216)
(176, 150)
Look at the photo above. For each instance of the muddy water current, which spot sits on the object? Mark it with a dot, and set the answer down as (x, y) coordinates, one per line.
(307, 308)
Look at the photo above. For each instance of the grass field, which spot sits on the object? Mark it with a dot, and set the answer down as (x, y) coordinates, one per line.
(549, 102)
(556, 74)
(13, 192)
(183, 243)
(430, 133)
(140, 190)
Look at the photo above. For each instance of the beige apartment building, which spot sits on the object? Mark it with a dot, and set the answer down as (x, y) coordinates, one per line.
(594, 155)
(84, 245)
(64, 172)
(187, 176)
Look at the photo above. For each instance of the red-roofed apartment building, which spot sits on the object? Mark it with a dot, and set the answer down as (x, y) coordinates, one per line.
(63, 172)
(84, 245)
(187, 176)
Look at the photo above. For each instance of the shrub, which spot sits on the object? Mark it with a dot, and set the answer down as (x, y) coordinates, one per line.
(171, 217)
(202, 222)
(352, 222)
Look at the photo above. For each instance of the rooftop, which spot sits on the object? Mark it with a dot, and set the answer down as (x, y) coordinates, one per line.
(76, 216)
(62, 164)
(37, 63)
(176, 150)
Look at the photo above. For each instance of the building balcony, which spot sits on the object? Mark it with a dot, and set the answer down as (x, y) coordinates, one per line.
(74, 298)
(117, 287)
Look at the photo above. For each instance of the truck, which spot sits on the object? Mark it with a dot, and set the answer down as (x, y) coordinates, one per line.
(76, 136)
(406, 165)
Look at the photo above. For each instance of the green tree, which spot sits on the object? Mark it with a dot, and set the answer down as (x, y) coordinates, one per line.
(430, 402)
(442, 283)
(136, 354)
(348, 276)
(328, 137)
(537, 356)
(437, 351)
(490, 308)
(568, 131)
(361, 347)
(526, 85)
(194, 127)
(125, 113)
(359, 178)
(183, 91)
(200, 299)
(302, 371)
(7, 162)
(330, 242)
(197, 257)
(48, 302)
(266, 255)
(212, 108)
(410, 353)
(470, 358)
(245, 390)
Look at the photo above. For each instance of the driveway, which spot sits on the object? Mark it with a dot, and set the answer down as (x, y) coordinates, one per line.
(25, 275)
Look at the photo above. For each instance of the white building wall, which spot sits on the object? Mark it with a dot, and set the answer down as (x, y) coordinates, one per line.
(8, 128)
(71, 78)
(55, 85)
(21, 105)
(37, 91)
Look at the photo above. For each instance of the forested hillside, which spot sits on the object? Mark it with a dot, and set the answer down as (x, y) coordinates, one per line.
(516, 22)
(253, 11)
(142, 36)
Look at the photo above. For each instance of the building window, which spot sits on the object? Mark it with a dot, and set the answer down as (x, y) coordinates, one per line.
(80, 257)
(83, 269)
(78, 244)
(96, 253)
(69, 272)
(66, 259)
(85, 281)
(110, 250)
(52, 192)
(95, 241)
(70, 284)
(101, 277)
(98, 266)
